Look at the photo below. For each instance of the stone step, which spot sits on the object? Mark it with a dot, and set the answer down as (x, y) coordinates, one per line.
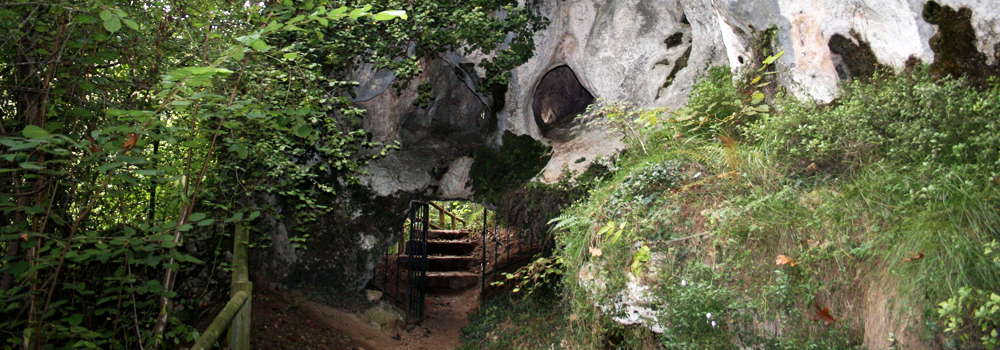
(446, 262)
(450, 247)
(447, 234)
(451, 280)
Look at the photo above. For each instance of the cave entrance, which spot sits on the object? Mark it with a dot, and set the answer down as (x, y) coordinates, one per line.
(453, 250)
(558, 98)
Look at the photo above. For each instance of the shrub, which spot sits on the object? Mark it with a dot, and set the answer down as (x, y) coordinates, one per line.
(909, 119)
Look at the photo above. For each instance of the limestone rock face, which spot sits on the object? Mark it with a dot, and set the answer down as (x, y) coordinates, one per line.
(647, 53)
(650, 52)
(435, 120)
(827, 41)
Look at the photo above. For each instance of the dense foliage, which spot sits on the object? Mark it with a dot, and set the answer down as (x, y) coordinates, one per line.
(137, 134)
(806, 226)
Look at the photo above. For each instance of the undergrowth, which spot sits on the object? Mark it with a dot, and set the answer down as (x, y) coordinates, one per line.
(803, 226)
(513, 322)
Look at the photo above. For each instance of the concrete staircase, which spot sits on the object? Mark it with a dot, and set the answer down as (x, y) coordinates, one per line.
(452, 261)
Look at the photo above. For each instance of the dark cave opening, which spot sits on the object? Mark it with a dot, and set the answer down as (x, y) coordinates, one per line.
(558, 98)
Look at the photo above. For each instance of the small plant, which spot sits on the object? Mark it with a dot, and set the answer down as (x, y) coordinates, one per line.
(971, 314)
(974, 312)
(719, 107)
(643, 186)
(634, 123)
(541, 273)
(698, 308)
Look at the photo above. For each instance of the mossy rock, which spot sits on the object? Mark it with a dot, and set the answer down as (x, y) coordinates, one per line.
(518, 160)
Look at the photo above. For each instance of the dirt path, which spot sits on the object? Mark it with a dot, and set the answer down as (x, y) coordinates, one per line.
(281, 322)
(319, 326)
(446, 315)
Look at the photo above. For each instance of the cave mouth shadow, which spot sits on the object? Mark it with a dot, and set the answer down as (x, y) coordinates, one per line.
(558, 98)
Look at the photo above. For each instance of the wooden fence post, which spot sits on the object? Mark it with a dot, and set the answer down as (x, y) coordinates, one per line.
(239, 329)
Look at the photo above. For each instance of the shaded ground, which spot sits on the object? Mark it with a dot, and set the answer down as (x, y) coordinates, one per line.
(446, 315)
(284, 321)
(513, 321)
(280, 322)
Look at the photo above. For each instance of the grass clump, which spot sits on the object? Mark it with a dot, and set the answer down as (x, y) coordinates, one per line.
(805, 226)
(513, 322)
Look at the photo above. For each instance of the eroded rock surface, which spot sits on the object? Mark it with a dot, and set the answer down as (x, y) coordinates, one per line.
(647, 53)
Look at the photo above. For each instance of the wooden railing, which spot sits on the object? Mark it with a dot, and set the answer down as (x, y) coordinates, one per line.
(236, 314)
(442, 212)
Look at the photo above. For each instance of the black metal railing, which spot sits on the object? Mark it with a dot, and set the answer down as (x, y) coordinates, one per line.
(504, 249)
(404, 266)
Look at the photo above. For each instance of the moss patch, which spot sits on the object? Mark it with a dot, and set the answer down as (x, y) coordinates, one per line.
(954, 45)
(682, 62)
(496, 172)
(674, 40)
(858, 58)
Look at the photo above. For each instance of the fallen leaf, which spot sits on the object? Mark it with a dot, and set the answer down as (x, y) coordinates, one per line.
(727, 141)
(727, 175)
(914, 257)
(785, 260)
(823, 313)
(594, 251)
(130, 142)
(93, 145)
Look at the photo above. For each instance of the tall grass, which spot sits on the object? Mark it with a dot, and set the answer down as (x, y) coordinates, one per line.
(895, 185)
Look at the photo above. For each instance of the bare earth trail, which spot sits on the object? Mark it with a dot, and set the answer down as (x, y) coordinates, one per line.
(293, 322)
(445, 316)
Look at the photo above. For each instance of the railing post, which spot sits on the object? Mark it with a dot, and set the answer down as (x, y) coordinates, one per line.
(239, 329)
(441, 217)
(482, 260)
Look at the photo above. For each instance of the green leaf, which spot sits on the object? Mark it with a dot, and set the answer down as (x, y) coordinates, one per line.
(130, 23)
(197, 217)
(303, 131)
(236, 52)
(259, 45)
(290, 55)
(357, 13)
(756, 98)
(34, 132)
(31, 166)
(75, 320)
(389, 15)
(111, 21)
(772, 59)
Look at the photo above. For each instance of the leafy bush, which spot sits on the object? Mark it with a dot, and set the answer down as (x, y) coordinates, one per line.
(971, 313)
(642, 186)
(699, 309)
(496, 172)
(896, 181)
(909, 119)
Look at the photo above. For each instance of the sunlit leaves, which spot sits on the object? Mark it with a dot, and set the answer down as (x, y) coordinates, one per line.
(34, 132)
(111, 21)
(389, 15)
